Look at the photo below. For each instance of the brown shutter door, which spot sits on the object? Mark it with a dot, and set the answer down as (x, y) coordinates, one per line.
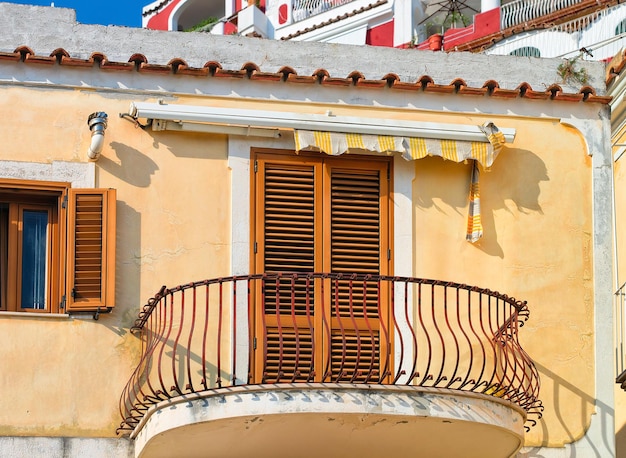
(289, 208)
(320, 214)
(357, 244)
(91, 249)
(286, 224)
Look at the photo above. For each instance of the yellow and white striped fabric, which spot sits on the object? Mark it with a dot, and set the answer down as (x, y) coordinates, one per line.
(336, 143)
(411, 148)
(474, 222)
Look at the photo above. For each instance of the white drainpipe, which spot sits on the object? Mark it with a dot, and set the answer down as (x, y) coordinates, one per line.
(97, 124)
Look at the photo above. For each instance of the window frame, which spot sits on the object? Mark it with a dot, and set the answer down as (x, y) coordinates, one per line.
(20, 194)
(60, 200)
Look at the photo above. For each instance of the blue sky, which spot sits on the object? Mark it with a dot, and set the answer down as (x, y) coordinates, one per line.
(106, 12)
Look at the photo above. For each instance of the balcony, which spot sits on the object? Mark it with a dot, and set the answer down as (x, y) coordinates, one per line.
(336, 364)
(523, 11)
(303, 9)
(600, 32)
(565, 25)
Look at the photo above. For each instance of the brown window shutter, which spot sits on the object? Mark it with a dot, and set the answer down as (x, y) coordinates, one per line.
(90, 249)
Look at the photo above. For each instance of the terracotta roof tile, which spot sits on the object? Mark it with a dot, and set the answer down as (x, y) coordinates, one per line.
(615, 66)
(526, 91)
(589, 94)
(251, 71)
(158, 7)
(390, 78)
(406, 86)
(429, 85)
(28, 55)
(373, 84)
(14, 56)
(105, 64)
(220, 72)
(302, 79)
(266, 76)
(466, 90)
(73, 62)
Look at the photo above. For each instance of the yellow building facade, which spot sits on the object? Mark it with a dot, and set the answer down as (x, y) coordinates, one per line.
(307, 207)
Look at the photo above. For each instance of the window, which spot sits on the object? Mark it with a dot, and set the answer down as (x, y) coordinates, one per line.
(314, 213)
(57, 247)
(620, 28)
(526, 51)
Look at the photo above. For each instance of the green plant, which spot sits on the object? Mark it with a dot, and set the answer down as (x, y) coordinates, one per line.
(454, 19)
(204, 25)
(567, 71)
(441, 23)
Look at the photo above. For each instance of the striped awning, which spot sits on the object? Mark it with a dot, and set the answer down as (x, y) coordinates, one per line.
(412, 148)
(474, 221)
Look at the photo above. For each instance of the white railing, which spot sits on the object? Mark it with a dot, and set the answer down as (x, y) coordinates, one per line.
(521, 11)
(303, 9)
(601, 32)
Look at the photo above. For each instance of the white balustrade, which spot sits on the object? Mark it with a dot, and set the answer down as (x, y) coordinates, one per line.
(522, 11)
(303, 9)
(603, 33)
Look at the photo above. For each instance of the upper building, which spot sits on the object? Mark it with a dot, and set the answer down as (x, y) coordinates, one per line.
(536, 28)
(225, 246)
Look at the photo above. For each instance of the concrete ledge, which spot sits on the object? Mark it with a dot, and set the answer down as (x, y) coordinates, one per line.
(332, 420)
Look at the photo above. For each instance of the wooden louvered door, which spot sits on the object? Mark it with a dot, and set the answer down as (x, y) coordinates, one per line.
(357, 243)
(286, 241)
(320, 214)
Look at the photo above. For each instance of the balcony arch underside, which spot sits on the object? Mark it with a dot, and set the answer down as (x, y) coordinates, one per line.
(331, 420)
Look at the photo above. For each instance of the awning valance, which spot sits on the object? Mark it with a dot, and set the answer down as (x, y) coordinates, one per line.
(411, 148)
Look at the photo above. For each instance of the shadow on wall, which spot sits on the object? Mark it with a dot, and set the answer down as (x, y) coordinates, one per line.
(620, 442)
(192, 145)
(127, 272)
(134, 168)
(515, 178)
(563, 393)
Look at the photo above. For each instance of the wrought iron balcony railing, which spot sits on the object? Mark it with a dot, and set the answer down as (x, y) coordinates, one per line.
(329, 328)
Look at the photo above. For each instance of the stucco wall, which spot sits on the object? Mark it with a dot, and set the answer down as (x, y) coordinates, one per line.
(173, 227)
(65, 375)
(536, 212)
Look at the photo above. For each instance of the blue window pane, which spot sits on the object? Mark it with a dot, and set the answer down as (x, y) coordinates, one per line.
(34, 255)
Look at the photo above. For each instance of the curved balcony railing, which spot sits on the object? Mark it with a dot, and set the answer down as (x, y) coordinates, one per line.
(521, 11)
(340, 328)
